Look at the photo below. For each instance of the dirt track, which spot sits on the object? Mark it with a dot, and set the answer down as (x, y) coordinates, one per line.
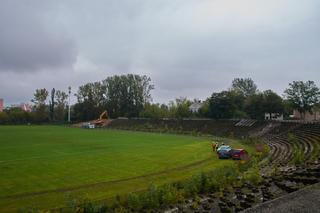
(74, 188)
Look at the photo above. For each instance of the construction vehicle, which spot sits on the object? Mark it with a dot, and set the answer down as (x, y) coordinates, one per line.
(102, 120)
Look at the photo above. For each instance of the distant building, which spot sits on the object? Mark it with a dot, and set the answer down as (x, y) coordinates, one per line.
(23, 106)
(195, 106)
(1, 105)
(314, 116)
(26, 107)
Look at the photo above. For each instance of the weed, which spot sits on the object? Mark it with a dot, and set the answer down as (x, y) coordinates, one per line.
(298, 154)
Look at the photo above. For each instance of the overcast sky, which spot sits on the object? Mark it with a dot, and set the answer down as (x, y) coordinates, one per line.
(188, 47)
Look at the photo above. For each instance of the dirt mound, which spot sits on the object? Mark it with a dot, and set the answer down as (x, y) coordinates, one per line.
(100, 122)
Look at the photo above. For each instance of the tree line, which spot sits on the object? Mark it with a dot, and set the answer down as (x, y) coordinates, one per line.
(130, 96)
(42, 112)
(243, 100)
(120, 95)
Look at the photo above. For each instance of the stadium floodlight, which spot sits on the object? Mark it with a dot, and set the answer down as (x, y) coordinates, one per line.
(69, 91)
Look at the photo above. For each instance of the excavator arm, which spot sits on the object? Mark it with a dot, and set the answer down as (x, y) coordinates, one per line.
(104, 115)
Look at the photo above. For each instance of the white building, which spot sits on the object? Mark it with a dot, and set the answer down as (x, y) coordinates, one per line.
(195, 106)
(273, 116)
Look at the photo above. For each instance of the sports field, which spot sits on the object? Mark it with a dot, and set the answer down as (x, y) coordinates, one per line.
(42, 166)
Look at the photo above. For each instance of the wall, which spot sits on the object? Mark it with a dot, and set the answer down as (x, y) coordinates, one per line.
(308, 116)
(193, 126)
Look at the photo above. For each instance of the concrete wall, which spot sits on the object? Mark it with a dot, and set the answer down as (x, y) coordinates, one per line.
(188, 126)
(308, 116)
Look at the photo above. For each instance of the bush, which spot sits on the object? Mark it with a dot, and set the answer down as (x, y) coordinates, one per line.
(151, 198)
(82, 205)
(169, 194)
(253, 176)
(134, 201)
(154, 197)
(15, 116)
(4, 118)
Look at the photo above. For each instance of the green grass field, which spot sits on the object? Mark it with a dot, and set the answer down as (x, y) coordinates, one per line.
(41, 166)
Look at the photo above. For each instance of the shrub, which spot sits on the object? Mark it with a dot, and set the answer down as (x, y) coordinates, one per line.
(4, 118)
(134, 201)
(170, 194)
(151, 198)
(83, 205)
(253, 175)
(191, 187)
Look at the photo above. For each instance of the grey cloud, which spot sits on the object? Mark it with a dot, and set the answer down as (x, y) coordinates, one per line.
(189, 47)
(28, 40)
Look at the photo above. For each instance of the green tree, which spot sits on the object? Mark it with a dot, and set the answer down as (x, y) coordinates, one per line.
(61, 104)
(92, 93)
(4, 118)
(303, 95)
(40, 97)
(226, 104)
(254, 106)
(91, 101)
(245, 86)
(15, 115)
(204, 110)
(121, 95)
(154, 111)
(51, 104)
(316, 107)
(126, 95)
(180, 108)
(273, 103)
(287, 108)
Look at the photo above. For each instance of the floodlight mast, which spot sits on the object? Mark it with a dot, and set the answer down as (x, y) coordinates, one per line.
(69, 91)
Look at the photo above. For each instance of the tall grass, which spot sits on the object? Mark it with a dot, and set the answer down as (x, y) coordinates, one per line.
(160, 197)
(298, 156)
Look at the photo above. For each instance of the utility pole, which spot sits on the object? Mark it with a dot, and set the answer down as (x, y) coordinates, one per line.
(69, 91)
